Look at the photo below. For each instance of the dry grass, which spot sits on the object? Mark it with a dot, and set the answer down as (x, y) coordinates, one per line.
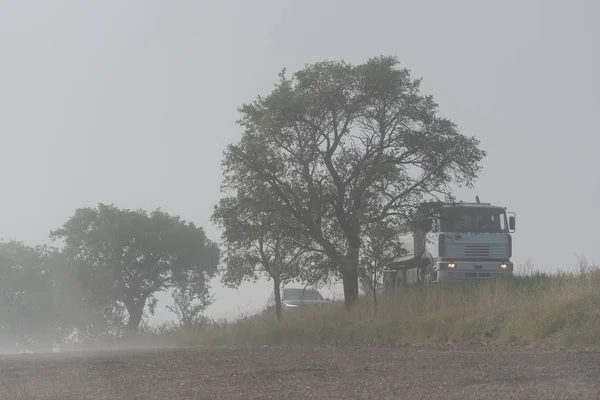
(533, 308)
(561, 309)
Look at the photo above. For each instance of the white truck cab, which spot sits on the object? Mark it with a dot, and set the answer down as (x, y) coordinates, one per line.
(457, 243)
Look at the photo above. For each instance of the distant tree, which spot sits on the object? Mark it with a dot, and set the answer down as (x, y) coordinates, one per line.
(259, 241)
(189, 305)
(123, 257)
(35, 305)
(380, 248)
(342, 145)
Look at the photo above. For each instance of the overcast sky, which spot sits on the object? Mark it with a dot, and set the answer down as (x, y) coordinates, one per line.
(132, 102)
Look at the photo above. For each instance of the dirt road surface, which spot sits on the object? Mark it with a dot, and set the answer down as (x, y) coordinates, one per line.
(302, 373)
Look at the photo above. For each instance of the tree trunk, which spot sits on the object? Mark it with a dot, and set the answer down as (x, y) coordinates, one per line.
(277, 291)
(136, 311)
(375, 302)
(374, 289)
(350, 283)
(350, 277)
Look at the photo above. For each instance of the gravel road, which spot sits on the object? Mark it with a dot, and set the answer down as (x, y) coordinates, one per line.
(302, 373)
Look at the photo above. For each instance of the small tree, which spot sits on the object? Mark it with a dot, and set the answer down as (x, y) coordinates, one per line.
(259, 241)
(189, 306)
(380, 248)
(125, 257)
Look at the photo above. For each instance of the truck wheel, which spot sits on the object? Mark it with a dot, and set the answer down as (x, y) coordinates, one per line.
(388, 282)
(427, 274)
(399, 284)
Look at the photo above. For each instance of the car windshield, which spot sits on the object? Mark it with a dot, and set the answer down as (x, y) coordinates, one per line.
(473, 219)
(301, 294)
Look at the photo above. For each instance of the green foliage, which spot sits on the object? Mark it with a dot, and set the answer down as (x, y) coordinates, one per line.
(188, 305)
(35, 305)
(381, 246)
(261, 240)
(123, 257)
(340, 146)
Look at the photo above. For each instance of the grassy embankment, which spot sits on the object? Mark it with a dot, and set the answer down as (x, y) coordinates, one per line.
(561, 309)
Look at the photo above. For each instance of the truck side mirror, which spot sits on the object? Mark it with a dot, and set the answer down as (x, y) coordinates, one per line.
(511, 222)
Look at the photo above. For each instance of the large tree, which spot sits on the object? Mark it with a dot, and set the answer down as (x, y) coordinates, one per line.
(36, 302)
(126, 257)
(343, 145)
(260, 241)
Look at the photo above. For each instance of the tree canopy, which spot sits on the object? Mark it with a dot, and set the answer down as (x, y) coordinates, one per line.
(342, 145)
(35, 308)
(260, 241)
(125, 257)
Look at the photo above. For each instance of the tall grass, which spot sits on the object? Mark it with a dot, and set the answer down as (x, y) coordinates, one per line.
(561, 309)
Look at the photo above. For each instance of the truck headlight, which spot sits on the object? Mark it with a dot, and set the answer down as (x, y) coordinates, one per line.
(503, 266)
(451, 265)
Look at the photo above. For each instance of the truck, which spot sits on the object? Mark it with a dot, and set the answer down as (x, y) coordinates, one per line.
(451, 242)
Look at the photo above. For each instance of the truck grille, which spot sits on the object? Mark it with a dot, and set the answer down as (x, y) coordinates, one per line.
(477, 250)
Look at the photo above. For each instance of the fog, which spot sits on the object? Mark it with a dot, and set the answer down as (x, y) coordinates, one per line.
(132, 103)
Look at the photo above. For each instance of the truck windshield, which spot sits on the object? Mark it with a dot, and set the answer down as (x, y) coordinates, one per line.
(473, 219)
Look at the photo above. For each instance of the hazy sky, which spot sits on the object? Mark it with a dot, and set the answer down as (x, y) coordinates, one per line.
(132, 102)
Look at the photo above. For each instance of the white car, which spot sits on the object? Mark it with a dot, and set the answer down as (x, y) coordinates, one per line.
(292, 298)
